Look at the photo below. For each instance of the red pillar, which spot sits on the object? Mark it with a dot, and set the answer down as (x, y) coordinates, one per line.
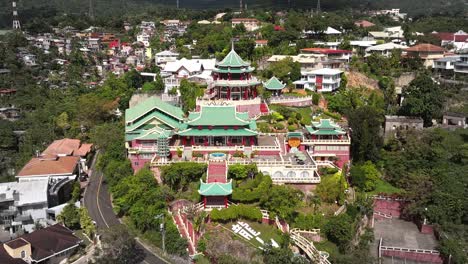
(192, 141)
(206, 141)
(204, 202)
(229, 93)
(225, 202)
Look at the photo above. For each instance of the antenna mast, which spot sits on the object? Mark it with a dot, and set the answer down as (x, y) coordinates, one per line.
(16, 22)
(91, 9)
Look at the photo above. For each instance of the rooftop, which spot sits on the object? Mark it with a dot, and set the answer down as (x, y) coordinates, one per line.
(215, 189)
(29, 192)
(325, 71)
(274, 84)
(411, 119)
(49, 166)
(150, 104)
(233, 60)
(425, 48)
(218, 116)
(325, 51)
(16, 243)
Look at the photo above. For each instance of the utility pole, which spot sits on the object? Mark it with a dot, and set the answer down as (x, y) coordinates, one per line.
(163, 231)
(16, 22)
(318, 7)
(91, 9)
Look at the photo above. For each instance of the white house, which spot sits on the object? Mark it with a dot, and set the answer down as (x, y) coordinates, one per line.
(461, 66)
(384, 49)
(322, 80)
(165, 56)
(184, 68)
(144, 38)
(22, 204)
(447, 63)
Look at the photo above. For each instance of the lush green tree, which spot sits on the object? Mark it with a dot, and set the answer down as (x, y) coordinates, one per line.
(365, 123)
(70, 216)
(76, 192)
(86, 223)
(283, 200)
(179, 175)
(119, 246)
(339, 229)
(188, 94)
(365, 176)
(424, 98)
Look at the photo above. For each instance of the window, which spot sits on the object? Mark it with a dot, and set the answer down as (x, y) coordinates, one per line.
(199, 140)
(236, 140)
(23, 254)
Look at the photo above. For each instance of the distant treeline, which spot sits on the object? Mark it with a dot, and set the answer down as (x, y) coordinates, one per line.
(30, 9)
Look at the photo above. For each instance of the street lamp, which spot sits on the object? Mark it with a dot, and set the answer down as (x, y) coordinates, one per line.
(163, 231)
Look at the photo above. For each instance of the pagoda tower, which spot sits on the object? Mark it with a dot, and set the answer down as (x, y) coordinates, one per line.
(233, 79)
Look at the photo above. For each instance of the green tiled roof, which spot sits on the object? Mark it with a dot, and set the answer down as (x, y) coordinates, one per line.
(215, 189)
(218, 116)
(325, 127)
(148, 105)
(155, 114)
(233, 70)
(233, 60)
(274, 84)
(148, 134)
(217, 132)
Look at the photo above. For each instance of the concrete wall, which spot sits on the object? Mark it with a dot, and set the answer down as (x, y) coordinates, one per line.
(416, 256)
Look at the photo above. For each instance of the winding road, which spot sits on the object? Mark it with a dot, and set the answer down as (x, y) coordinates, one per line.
(97, 201)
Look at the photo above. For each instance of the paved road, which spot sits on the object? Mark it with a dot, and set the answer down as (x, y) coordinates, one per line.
(97, 201)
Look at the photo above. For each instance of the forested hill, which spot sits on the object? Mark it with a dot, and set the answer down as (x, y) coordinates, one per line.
(414, 7)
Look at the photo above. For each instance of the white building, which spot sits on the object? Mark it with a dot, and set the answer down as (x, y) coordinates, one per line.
(165, 56)
(322, 80)
(184, 68)
(461, 66)
(22, 204)
(144, 38)
(447, 63)
(385, 49)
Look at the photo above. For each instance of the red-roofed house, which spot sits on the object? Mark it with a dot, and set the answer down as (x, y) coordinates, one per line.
(69, 147)
(259, 43)
(427, 52)
(43, 167)
(52, 244)
(458, 39)
(364, 24)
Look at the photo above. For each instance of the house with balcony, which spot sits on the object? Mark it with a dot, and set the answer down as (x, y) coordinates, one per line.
(461, 66)
(330, 54)
(22, 204)
(459, 39)
(445, 66)
(427, 52)
(322, 80)
(327, 141)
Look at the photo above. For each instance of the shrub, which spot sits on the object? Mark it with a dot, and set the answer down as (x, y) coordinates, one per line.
(315, 98)
(279, 126)
(291, 128)
(235, 212)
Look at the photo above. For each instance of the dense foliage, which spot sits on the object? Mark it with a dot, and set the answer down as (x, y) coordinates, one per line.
(235, 212)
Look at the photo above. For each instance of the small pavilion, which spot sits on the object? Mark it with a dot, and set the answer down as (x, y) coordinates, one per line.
(274, 85)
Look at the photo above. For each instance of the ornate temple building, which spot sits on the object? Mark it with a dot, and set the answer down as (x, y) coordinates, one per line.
(233, 79)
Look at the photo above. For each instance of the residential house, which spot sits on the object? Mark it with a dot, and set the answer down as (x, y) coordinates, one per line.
(445, 66)
(427, 52)
(322, 80)
(359, 46)
(311, 62)
(250, 24)
(51, 245)
(144, 38)
(384, 49)
(461, 66)
(396, 124)
(330, 54)
(459, 39)
(174, 71)
(395, 33)
(454, 120)
(147, 25)
(94, 44)
(29, 59)
(10, 113)
(363, 24)
(163, 57)
(260, 43)
(22, 204)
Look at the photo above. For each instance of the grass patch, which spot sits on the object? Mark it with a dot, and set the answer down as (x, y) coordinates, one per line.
(385, 187)
(267, 232)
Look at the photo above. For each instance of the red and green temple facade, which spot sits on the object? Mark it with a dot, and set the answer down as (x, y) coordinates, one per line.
(233, 80)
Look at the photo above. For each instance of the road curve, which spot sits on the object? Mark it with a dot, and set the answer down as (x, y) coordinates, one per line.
(97, 201)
